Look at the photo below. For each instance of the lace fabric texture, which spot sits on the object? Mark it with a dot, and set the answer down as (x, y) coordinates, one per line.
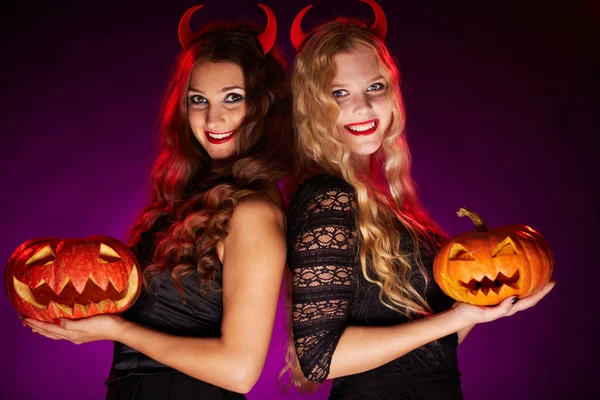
(322, 258)
(330, 293)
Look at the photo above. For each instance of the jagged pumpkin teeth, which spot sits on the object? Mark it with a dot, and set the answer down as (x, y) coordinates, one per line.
(103, 305)
(78, 284)
(68, 311)
(83, 308)
(118, 284)
(487, 266)
(48, 278)
(95, 281)
(61, 285)
(494, 283)
(101, 281)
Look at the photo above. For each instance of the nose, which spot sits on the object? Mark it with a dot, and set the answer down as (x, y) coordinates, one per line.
(215, 118)
(361, 104)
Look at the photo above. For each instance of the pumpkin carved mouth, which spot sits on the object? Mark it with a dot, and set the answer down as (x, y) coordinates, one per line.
(90, 297)
(495, 284)
(48, 278)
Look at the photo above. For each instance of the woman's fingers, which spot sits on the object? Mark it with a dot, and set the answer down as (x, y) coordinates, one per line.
(532, 300)
(46, 334)
(503, 309)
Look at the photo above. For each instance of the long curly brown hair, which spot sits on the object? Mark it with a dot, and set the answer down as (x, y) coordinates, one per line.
(194, 193)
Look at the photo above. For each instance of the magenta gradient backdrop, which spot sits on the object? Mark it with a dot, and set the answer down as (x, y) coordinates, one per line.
(500, 119)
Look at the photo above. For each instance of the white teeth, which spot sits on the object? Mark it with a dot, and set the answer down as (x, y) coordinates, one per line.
(361, 128)
(220, 135)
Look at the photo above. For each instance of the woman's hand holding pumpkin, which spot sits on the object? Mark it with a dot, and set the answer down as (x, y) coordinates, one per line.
(91, 329)
(473, 314)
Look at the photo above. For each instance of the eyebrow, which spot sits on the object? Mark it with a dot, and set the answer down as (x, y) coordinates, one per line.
(341, 85)
(222, 90)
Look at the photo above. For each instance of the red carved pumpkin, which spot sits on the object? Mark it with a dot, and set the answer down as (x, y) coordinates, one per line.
(47, 278)
(484, 267)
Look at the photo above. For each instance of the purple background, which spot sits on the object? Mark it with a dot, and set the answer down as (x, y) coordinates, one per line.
(500, 119)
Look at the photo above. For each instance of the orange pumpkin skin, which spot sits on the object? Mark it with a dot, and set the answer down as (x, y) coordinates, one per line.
(48, 278)
(486, 266)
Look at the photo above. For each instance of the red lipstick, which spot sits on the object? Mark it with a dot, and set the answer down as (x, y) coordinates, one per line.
(374, 122)
(222, 136)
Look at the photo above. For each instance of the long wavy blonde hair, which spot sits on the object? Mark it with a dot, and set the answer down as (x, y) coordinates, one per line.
(380, 202)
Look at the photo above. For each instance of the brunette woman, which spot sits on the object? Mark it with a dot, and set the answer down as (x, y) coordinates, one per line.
(212, 240)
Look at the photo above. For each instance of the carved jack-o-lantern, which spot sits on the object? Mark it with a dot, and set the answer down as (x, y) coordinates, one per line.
(486, 266)
(47, 278)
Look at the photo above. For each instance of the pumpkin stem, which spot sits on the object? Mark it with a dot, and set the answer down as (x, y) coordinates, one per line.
(479, 224)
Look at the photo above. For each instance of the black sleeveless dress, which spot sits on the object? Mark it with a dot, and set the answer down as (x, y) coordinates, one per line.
(136, 376)
(330, 293)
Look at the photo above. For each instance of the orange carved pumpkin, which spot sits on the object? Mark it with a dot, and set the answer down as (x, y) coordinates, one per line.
(47, 278)
(486, 266)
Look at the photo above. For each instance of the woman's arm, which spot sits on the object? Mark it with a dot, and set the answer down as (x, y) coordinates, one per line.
(364, 348)
(322, 275)
(253, 260)
(321, 246)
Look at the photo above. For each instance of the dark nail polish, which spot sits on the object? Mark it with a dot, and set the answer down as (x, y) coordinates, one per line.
(513, 301)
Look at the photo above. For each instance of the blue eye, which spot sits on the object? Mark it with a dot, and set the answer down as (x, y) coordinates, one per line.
(233, 98)
(375, 87)
(197, 99)
(340, 93)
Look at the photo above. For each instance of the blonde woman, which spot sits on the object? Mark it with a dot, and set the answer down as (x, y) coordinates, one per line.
(365, 309)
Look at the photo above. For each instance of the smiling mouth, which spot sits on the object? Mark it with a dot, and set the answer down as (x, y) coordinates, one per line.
(363, 128)
(218, 137)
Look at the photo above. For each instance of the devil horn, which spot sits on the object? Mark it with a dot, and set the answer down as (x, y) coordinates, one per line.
(267, 38)
(184, 32)
(296, 34)
(379, 27)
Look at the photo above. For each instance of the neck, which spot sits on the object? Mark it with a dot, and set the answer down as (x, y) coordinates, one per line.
(363, 162)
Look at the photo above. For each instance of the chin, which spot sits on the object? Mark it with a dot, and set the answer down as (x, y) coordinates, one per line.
(220, 156)
(367, 149)
(220, 153)
(365, 145)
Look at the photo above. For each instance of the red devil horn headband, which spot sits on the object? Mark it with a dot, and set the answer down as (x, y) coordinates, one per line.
(379, 27)
(266, 39)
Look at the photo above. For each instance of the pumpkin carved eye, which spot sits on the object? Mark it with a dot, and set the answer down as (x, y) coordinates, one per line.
(107, 255)
(506, 248)
(44, 256)
(459, 253)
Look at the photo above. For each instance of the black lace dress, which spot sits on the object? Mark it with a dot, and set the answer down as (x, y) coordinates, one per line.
(136, 376)
(330, 293)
